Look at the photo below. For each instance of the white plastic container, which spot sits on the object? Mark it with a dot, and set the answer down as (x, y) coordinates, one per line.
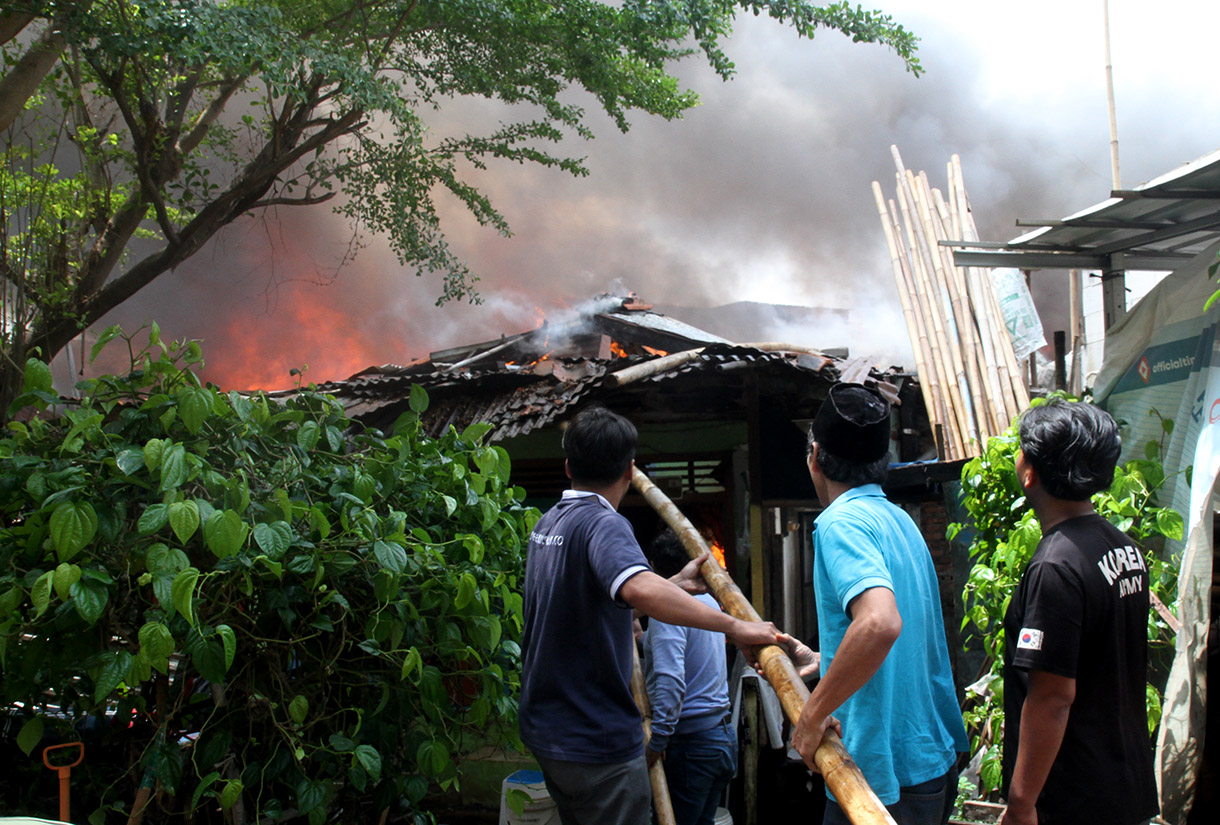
(723, 817)
(540, 810)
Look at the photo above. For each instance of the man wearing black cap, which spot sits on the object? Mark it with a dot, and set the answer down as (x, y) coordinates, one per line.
(885, 662)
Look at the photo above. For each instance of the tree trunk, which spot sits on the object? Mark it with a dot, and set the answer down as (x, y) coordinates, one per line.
(20, 82)
(12, 25)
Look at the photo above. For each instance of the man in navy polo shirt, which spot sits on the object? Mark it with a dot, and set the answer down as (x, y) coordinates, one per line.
(885, 661)
(584, 573)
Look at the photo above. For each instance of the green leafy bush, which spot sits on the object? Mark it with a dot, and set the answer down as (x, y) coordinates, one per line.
(274, 613)
(1006, 534)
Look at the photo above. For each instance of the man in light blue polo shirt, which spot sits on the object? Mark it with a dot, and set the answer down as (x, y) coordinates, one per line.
(885, 661)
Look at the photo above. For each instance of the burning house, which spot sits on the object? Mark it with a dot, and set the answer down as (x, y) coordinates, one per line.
(722, 432)
(722, 429)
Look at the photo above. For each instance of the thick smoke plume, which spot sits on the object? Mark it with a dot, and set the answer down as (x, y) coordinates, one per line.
(760, 194)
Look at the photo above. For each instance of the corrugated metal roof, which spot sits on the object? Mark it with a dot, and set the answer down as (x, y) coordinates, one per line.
(1155, 226)
(517, 400)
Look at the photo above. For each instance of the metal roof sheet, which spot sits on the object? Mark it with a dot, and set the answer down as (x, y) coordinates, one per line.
(1155, 226)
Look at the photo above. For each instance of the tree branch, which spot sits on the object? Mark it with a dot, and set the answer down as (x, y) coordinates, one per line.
(284, 201)
(209, 115)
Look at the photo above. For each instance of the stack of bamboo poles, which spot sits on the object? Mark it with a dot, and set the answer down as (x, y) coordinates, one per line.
(971, 382)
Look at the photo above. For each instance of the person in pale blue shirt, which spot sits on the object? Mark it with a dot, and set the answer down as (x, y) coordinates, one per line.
(884, 659)
(688, 691)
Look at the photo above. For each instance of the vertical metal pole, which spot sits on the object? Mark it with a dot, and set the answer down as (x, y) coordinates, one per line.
(792, 576)
(1105, 12)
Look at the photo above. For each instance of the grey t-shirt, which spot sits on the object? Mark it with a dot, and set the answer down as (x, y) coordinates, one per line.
(576, 700)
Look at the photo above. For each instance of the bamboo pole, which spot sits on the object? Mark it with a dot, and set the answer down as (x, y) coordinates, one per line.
(997, 370)
(919, 337)
(937, 217)
(1016, 383)
(921, 253)
(647, 369)
(940, 416)
(927, 238)
(967, 328)
(919, 304)
(661, 801)
(840, 771)
(930, 300)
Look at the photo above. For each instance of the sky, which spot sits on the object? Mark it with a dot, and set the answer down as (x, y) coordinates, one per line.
(761, 193)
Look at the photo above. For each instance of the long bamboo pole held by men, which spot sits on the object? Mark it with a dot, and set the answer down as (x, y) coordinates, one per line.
(841, 773)
(662, 803)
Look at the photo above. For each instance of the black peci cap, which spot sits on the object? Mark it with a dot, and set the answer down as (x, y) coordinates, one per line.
(853, 423)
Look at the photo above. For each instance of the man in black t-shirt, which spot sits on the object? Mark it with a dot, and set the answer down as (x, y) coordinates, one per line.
(1076, 743)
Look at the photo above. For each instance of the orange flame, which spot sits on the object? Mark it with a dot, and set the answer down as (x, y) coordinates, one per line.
(653, 351)
(618, 350)
(717, 552)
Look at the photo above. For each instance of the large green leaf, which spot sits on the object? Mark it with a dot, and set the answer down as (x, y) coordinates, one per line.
(73, 525)
(64, 577)
(30, 734)
(174, 467)
(111, 674)
(225, 533)
(154, 450)
(418, 401)
(129, 461)
(153, 519)
(298, 709)
(184, 519)
(390, 555)
(310, 795)
(370, 760)
(228, 641)
(274, 539)
(182, 591)
(156, 643)
(307, 435)
(10, 600)
(40, 593)
(465, 590)
(230, 794)
(89, 597)
(194, 407)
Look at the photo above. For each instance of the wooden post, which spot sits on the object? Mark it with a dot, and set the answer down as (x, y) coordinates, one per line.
(841, 773)
(661, 801)
(752, 713)
(1060, 338)
(1076, 333)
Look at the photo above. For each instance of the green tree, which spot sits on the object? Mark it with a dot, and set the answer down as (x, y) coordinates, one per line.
(165, 120)
(251, 604)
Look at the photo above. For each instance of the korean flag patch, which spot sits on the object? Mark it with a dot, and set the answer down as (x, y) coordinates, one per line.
(1029, 639)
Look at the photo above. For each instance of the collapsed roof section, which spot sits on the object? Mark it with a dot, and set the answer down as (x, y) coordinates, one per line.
(615, 351)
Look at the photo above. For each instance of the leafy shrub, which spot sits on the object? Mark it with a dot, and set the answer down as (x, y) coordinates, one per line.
(270, 609)
(1006, 534)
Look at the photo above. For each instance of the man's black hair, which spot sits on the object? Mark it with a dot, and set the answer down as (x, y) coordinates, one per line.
(599, 445)
(667, 554)
(1073, 446)
(852, 473)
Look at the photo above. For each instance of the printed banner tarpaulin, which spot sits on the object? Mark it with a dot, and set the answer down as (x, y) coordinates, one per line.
(1162, 363)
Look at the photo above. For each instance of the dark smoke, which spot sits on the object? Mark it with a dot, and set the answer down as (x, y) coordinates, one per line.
(761, 194)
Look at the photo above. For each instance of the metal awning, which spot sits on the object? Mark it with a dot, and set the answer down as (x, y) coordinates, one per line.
(1155, 226)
